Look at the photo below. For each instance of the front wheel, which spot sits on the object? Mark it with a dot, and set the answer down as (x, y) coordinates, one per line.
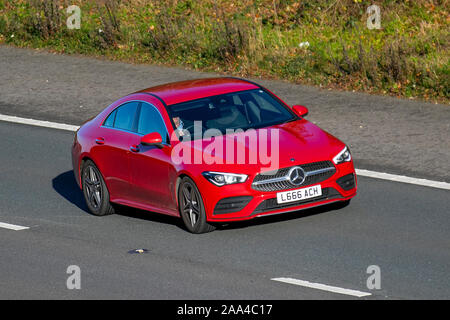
(192, 209)
(95, 192)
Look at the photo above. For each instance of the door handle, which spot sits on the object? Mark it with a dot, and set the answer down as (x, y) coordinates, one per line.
(134, 148)
(100, 141)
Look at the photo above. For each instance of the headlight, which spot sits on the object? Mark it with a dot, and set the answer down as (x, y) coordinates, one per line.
(220, 179)
(343, 156)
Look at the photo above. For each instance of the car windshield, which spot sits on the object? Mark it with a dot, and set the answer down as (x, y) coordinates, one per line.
(238, 110)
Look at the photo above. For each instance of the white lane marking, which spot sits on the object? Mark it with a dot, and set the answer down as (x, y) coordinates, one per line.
(323, 287)
(404, 179)
(12, 226)
(361, 172)
(39, 123)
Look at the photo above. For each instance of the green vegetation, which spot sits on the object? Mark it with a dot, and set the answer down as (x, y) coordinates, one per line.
(408, 56)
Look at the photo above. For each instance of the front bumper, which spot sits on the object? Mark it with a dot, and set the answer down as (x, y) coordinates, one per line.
(241, 202)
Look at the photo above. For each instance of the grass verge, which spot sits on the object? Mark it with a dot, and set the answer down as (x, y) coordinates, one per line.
(319, 42)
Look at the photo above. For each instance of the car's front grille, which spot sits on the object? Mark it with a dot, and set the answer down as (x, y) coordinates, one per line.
(278, 180)
(272, 204)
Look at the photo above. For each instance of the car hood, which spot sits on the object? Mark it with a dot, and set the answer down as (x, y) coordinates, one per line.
(296, 142)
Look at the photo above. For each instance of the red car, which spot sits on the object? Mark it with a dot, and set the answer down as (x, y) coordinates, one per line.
(199, 149)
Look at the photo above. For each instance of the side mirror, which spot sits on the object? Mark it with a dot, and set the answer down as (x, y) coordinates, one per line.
(301, 111)
(152, 139)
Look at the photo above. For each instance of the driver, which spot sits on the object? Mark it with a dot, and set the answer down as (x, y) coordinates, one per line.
(179, 125)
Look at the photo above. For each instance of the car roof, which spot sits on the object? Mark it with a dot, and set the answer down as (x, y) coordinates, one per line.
(182, 91)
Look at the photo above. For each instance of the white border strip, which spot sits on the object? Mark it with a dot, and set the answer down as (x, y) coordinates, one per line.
(12, 226)
(324, 287)
(39, 123)
(404, 179)
(361, 172)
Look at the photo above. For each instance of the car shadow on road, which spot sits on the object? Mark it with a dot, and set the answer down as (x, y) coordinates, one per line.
(176, 221)
(67, 187)
(148, 216)
(282, 217)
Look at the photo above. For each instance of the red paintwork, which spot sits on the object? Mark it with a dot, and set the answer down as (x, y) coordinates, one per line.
(148, 179)
(182, 91)
(152, 138)
(302, 111)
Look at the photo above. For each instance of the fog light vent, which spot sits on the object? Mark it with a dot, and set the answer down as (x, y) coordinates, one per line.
(232, 204)
(347, 182)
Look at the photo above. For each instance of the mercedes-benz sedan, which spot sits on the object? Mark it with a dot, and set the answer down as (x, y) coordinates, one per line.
(209, 151)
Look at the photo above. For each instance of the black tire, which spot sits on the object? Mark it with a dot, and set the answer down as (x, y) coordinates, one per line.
(95, 192)
(192, 209)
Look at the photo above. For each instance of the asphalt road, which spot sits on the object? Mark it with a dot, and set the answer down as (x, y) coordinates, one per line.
(404, 229)
(385, 134)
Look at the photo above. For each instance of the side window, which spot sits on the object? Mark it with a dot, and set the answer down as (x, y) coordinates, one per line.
(125, 116)
(109, 122)
(150, 120)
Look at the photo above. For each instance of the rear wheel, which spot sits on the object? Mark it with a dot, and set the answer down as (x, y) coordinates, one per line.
(192, 209)
(95, 192)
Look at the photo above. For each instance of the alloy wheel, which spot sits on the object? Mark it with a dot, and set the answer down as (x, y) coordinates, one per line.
(190, 203)
(93, 187)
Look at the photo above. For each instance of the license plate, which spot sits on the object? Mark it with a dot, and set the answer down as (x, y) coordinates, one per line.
(299, 194)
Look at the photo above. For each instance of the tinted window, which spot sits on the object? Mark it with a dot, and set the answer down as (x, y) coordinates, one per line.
(125, 116)
(150, 120)
(109, 122)
(237, 110)
(267, 103)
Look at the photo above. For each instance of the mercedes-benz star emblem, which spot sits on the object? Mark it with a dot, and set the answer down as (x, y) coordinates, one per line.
(296, 176)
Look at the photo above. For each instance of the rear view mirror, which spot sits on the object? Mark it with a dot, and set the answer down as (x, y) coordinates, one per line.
(301, 111)
(152, 139)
